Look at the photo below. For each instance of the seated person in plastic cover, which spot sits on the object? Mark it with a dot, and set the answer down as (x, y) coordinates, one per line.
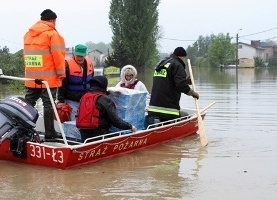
(107, 111)
(129, 79)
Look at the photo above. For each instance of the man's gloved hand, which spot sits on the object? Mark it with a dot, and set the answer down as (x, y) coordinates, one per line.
(38, 81)
(195, 95)
(59, 105)
(134, 129)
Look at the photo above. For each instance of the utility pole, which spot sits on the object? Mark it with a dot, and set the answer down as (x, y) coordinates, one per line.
(237, 50)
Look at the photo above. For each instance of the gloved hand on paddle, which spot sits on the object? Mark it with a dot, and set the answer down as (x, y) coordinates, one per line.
(195, 95)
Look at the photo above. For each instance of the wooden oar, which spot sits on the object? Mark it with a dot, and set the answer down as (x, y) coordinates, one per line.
(201, 127)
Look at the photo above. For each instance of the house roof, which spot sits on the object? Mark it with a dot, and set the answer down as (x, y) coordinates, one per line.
(265, 44)
(249, 45)
(95, 50)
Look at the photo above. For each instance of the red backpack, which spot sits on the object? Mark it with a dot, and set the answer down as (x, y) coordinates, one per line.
(88, 114)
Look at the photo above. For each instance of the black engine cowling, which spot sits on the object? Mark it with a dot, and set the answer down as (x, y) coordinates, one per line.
(17, 122)
(19, 111)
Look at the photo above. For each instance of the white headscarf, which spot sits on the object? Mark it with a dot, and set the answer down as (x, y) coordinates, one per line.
(128, 69)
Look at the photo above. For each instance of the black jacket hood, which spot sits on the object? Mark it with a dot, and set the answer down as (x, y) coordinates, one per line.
(99, 83)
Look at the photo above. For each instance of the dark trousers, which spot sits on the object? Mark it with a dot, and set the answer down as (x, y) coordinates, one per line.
(88, 133)
(32, 95)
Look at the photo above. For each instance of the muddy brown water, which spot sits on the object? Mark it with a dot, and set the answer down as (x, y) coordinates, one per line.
(239, 162)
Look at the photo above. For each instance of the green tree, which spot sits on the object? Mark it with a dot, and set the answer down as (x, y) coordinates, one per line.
(118, 58)
(192, 52)
(135, 31)
(272, 62)
(259, 62)
(11, 64)
(270, 42)
(221, 51)
(204, 43)
(200, 48)
(101, 46)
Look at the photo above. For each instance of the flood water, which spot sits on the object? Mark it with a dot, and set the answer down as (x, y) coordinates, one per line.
(240, 161)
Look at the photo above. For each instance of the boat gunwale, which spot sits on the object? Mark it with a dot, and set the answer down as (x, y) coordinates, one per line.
(123, 134)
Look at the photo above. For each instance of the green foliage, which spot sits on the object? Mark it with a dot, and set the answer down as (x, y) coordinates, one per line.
(11, 64)
(270, 42)
(221, 51)
(118, 58)
(135, 33)
(200, 47)
(202, 62)
(204, 43)
(16, 86)
(272, 62)
(101, 46)
(259, 62)
(192, 52)
(163, 55)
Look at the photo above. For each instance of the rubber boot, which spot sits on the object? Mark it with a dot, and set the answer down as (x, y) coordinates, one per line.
(50, 132)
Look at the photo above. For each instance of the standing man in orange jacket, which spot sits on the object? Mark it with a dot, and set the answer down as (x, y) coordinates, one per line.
(44, 55)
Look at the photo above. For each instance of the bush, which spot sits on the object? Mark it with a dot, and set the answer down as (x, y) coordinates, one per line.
(272, 62)
(259, 62)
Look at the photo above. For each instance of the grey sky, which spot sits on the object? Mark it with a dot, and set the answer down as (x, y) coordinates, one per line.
(182, 21)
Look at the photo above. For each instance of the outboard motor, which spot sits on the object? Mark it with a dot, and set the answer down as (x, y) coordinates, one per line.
(17, 122)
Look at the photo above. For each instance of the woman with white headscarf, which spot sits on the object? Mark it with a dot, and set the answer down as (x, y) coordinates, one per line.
(129, 79)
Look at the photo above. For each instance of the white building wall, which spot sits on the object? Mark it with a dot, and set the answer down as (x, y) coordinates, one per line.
(260, 53)
(245, 51)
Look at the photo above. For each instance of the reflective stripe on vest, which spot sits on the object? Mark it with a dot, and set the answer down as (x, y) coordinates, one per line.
(57, 47)
(42, 74)
(36, 52)
(162, 69)
(170, 111)
(160, 73)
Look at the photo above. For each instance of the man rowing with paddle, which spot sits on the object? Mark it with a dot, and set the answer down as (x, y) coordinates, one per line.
(169, 81)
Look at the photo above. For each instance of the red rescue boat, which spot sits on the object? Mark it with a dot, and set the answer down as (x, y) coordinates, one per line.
(21, 142)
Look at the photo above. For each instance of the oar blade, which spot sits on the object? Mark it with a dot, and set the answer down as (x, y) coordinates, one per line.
(202, 132)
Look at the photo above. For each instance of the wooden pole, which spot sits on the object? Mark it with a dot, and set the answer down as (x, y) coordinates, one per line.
(201, 126)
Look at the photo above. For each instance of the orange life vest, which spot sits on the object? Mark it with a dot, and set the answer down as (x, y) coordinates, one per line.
(44, 55)
(75, 77)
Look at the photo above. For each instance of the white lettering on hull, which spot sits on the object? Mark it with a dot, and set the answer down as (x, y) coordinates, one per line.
(116, 148)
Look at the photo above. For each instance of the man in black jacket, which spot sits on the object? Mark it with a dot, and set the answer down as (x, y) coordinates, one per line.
(107, 111)
(169, 81)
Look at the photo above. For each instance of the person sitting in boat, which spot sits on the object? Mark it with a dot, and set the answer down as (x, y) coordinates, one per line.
(129, 79)
(169, 81)
(104, 112)
(79, 72)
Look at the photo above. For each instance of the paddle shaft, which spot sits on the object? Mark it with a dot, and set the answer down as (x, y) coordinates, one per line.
(207, 107)
(201, 127)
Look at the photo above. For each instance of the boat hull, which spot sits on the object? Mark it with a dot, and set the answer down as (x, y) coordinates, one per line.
(58, 155)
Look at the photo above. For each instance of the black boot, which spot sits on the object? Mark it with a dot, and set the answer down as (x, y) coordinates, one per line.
(50, 132)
